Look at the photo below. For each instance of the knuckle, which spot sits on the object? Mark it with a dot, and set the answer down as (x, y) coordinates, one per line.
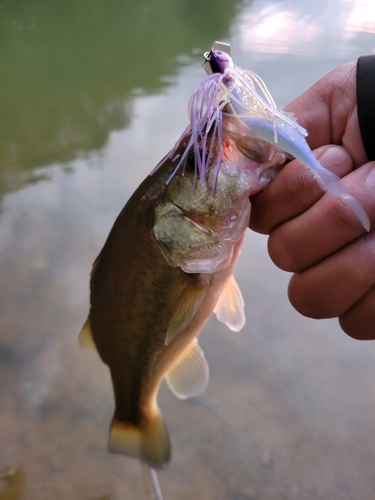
(280, 252)
(309, 301)
(351, 326)
(359, 321)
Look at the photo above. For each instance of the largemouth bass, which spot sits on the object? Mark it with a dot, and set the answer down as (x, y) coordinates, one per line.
(165, 267)
(168, 262)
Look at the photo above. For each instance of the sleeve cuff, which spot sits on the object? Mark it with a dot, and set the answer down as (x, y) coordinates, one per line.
(366, 103)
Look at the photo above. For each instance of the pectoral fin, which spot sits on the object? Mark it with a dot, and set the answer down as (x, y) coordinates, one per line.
(230, 306)
(85, 338)
(189, 376)
(187, 307)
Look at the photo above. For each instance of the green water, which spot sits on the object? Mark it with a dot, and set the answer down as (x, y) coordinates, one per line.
(92, 96)
(68, 69)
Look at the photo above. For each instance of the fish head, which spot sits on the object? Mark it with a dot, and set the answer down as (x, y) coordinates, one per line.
(205, 211)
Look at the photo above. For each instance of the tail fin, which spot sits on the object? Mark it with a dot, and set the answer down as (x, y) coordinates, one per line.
(150, 444)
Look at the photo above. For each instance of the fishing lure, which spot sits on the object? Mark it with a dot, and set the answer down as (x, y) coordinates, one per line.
(231, 90)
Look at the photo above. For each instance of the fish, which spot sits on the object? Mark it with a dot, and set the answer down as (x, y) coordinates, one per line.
(167, 264)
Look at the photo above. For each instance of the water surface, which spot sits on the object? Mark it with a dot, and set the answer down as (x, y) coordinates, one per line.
(93, 95)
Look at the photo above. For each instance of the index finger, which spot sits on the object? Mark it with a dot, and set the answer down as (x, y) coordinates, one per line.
(328, 111)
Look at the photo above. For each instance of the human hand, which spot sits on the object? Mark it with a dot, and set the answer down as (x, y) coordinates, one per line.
(313, 234)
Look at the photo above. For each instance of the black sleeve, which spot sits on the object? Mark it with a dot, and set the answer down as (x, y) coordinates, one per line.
(366, 102)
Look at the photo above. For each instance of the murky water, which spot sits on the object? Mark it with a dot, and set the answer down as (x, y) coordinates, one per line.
(92, 95)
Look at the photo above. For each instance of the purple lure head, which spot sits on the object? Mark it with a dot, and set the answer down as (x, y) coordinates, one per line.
(219, 60)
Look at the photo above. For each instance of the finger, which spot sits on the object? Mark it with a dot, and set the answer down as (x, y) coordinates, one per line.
(312, 111)
(335, 284)
(295, 189)
(326, 227)
(359, 321)
(328, 110)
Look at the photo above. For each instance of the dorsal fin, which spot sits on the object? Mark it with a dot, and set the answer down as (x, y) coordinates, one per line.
(230, 306)
(189, 375)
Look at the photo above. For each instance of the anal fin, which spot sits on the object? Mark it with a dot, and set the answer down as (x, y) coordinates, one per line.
(189, 376)
(230, 306)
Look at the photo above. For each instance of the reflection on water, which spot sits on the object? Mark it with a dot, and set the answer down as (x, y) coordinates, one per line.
(91, 99)
(68, 70)
(318, 29)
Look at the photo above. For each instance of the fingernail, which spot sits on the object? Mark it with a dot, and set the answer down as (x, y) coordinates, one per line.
(370, 179)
